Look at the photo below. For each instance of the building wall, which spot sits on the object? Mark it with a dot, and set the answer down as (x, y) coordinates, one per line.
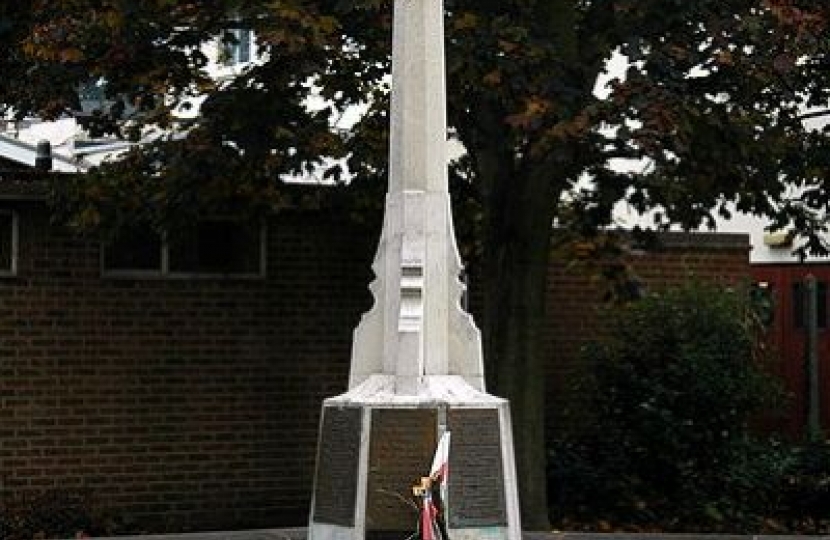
(193, 403)
(179, 402)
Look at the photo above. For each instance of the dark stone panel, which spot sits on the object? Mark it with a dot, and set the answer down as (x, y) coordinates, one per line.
(476, 479)
(400, 453)
(337, 466)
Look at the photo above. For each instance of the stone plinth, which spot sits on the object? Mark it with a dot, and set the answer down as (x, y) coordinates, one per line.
(375, 444)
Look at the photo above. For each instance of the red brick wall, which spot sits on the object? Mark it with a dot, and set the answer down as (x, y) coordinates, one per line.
(193, 403)
(180, 402)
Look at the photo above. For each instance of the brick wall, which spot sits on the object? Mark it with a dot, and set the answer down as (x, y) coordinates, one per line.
(194, 403)
(179, 402)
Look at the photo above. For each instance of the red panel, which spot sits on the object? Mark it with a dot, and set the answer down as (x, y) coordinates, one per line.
(790, 341)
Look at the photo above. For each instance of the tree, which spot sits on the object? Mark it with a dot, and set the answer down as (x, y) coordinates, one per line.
(712, 105)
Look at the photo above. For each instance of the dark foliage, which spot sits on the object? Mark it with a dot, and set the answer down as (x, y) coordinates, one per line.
(804, 503)
(676, 387)
(58, 513)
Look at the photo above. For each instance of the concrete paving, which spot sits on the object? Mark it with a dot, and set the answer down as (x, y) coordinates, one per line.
(300, 534)
(262, 534)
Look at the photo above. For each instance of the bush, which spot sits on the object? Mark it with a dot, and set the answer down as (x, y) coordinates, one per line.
(52, 514)
(805, 491)
(57, 513)
(676, 386)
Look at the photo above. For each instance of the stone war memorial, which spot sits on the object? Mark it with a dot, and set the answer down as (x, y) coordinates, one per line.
(416, 368)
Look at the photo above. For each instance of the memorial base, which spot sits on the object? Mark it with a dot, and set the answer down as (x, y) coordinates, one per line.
(374, 445)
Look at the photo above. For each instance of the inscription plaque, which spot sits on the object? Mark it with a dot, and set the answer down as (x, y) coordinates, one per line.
(400, 453)
(476, 486)
(337, 465)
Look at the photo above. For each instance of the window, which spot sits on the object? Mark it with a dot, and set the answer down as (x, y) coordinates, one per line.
(762, 296)
(135, 248)
(92, 90)
(210, 247)
(8, 243)
(236, 47)
(216, 247)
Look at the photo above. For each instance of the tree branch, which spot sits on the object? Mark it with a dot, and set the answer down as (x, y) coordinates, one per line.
(622, 153)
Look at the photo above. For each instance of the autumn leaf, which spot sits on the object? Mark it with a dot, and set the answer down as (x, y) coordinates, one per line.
(493, 78)
(724, 58)
(465, 21)
(508, 46)
(535, 107)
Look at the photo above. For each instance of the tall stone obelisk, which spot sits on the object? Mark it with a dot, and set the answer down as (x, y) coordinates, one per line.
(416, 367)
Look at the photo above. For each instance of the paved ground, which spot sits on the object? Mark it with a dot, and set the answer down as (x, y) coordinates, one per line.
(300, 534)
(265, 534)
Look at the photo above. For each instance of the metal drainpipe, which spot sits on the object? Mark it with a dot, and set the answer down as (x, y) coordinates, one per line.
(811, 320)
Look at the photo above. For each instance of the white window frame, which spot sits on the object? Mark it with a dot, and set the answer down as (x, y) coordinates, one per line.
(15, 243)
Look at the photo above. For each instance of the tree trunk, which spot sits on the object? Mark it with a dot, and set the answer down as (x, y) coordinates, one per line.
(516, 274)
(518, 210)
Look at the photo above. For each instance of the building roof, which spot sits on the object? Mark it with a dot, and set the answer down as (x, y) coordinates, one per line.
(24, 153)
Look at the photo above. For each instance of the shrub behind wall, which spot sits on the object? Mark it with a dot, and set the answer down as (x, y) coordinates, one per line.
(676, 385)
